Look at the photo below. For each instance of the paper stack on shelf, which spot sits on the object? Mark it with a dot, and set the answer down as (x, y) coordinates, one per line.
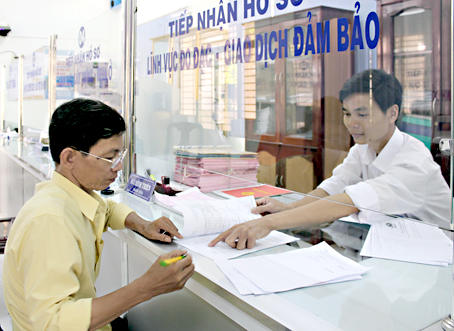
(215, 169)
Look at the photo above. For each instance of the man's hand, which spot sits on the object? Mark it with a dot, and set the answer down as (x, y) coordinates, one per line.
(158, 279)
(161, 229)
(244, 235)
(267, 205)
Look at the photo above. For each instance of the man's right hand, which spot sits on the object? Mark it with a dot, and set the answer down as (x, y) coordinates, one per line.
(159, 280)
(268, 205)
(244, 235)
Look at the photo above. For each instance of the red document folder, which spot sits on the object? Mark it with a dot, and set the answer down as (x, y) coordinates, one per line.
(256, 191)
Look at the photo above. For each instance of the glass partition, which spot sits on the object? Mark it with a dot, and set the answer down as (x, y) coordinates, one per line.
(11, 96)
(244, 93)
(36, 102)
(89, 59)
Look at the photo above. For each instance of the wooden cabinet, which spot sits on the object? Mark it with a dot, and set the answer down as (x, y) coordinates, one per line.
(415, 46)
(297, 125)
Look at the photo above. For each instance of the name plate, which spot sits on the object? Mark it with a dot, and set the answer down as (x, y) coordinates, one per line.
(141, 187)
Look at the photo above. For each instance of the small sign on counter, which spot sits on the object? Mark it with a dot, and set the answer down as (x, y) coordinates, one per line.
(140, 186)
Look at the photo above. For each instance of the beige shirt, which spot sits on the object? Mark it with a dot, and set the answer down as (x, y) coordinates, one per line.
(53, 255)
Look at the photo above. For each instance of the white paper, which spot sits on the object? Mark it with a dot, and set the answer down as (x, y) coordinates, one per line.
(192, 194)
(205, 217)
(299, 268)
(410, 241)
(199, 244)
(242, 284)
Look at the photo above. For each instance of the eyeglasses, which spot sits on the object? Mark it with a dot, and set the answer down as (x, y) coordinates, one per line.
(114, 162)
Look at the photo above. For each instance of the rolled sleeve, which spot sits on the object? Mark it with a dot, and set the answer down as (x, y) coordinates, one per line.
(116, 214)
(332, 185)
(364, 196)
(346, 174)
(74, 315)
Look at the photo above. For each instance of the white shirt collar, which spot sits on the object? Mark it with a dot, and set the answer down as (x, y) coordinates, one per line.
(386, 155)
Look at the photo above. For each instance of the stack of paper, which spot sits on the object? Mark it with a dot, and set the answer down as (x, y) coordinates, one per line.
(170, 202)
(214, 169)
(406, 240)
(205, 219)
(317, 265)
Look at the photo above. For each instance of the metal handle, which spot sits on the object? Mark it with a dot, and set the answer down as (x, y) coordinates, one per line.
(447, 146)
(433, 107)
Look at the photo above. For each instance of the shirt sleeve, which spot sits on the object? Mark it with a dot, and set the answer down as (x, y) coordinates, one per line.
(50, 259)
(116, 214)
(400, 190)
(345, 174)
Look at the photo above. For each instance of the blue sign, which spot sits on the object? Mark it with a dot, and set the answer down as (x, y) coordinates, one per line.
(140, 186)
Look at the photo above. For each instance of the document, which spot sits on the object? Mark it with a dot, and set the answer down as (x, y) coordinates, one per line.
(205, 219)
(216, 216)
(410, 241)
(316, 265)
(222, 250)
(256, 191)
(242, 284)
(192, 194)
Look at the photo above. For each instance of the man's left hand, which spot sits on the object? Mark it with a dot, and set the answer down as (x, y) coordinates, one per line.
(161, 229)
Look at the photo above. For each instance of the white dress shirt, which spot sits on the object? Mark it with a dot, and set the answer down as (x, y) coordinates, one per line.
(402, 180)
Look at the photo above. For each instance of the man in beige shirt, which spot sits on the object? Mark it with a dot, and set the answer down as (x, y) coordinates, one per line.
(53, 252)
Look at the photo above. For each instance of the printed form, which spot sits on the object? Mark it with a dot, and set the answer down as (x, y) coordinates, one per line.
(316, 265)
(205, 219)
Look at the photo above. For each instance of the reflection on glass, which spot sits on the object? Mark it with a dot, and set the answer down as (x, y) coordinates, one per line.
(299, 93)
(36, 103)
(12, 92)
(413, 67)
(265, 81)
(89, 60)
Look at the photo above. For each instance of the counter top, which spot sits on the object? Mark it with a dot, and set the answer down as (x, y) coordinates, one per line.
(392, 296)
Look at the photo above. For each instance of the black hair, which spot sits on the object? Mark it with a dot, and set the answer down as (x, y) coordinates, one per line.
(81, 123)
(385, 88)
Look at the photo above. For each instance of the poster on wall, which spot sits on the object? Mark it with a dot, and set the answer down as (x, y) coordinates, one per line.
(12, 81)
(35, 74)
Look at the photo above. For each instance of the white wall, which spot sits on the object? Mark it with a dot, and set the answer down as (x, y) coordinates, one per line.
(33, 22)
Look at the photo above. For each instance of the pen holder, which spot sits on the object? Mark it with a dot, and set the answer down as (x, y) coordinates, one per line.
(165, 190)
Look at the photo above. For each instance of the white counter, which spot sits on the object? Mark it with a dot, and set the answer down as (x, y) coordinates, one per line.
(392, 296)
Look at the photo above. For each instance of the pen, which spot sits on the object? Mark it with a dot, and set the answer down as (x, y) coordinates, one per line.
(167, 262)
(149, 175)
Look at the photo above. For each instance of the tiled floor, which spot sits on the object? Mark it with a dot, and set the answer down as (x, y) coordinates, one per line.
(5, 320)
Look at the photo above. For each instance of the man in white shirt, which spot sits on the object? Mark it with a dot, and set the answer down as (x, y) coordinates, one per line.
(387, 171)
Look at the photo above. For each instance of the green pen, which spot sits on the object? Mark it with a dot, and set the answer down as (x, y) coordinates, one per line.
(148, 174)
(167, 262)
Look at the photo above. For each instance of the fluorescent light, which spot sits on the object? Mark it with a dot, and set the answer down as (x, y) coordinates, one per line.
(412, 11)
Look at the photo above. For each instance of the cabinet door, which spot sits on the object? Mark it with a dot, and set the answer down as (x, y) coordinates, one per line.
(411, 51)
(265, 127)
(284, 86)
(296, 77)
